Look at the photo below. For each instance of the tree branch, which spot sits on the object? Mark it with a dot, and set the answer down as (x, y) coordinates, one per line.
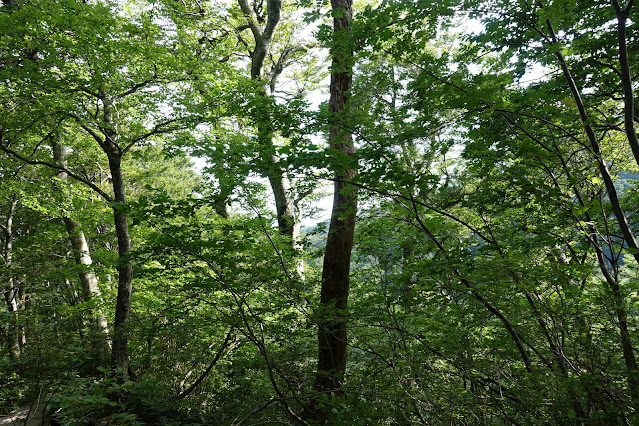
(134, 88)
(281, 62)
(252, 20)
(157, 130)
(620, 215)
(263, 37)
(225, 344)
(72, 174)
(495, 311)
(626, 79)
(90, 131)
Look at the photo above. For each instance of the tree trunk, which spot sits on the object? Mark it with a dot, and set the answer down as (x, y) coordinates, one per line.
(632, 375)
(335, 273)
(626, 78)
(10, 291)
(82, 255)
(287, 219)
(221, 201)
(13, 332)
(119, 354)
(119, 351)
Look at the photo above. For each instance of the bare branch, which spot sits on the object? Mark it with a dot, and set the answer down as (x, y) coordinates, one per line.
(282, 60)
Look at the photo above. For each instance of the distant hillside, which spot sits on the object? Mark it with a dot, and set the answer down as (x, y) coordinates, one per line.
(626, 180)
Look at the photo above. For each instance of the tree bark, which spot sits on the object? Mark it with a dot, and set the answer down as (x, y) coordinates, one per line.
(221, 201)
(114, 152)
(332, 339)
(11, 297)
(120, 354)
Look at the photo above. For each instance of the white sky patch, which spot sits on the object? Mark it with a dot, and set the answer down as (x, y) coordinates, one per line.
(471, 26)
(535, 74)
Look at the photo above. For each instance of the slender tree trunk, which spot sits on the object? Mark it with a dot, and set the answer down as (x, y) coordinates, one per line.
(88, 278)
(22, 305)
(287, 217)
(119, 354)
(624, 335)
(335, 273)
(632, 370)
(11, 297)
(119, 351)
(626, 78)
(82, 255)
(10, 291)
(287, 220)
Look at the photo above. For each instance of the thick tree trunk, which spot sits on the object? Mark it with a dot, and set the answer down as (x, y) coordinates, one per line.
(119, 354)
(335, 274)
(82, 255)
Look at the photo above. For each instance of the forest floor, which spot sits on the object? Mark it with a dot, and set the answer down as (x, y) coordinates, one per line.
(32, 415)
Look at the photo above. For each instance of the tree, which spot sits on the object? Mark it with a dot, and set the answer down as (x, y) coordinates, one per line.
(542, 29)
(274, 47)
(536, 134)
(332, 315)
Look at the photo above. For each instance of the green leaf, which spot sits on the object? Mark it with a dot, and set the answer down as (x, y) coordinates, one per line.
(579, 210)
